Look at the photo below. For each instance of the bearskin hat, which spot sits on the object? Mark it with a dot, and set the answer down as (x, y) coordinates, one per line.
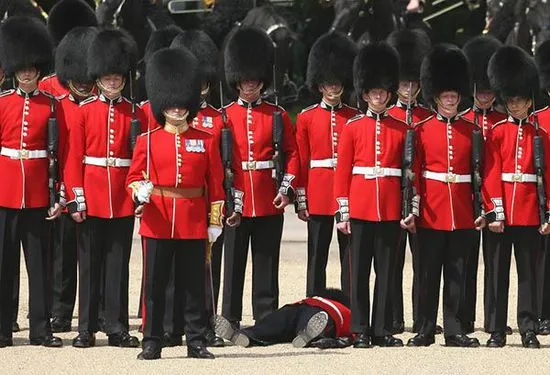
(25, 43)
(445, 68)
(376, 66)
(335, 295)
(331, 60)
(479, 50)
(512, 72)
(204, 49)
(111, 51)
(71, 55)
(68, 14)
(173, 80)
(412, 45)
(161, 38)
(542, 58)
(248, 55)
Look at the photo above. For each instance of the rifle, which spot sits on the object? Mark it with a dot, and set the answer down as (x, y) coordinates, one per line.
(135, 125)
(53, 141)
(408, 159)
(227, 160)
(538, 153)
(477, 147)
(278, 126)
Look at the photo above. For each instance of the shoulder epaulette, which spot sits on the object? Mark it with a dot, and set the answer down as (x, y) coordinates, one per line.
(396, 119)
(423, 121)
(459, 114)
(126, 100)
(229, 105)
(212, 107)
(45, 93)
(48, 77)
(540, 110)
(61, 97)
(204, 131)
(499, 123)
(309, 108)
(141, 104)
(150, 131)
(349, 106)
(465, 119)
(355, 118)
(6, 93)
(275, 105)
(91, 99)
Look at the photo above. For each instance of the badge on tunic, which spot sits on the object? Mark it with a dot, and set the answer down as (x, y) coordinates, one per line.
(207, 122)
(194, 145)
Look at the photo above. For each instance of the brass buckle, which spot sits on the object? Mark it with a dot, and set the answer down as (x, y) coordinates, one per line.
(450, 178)
(517, 176)
(111, 162)
(333, 163)
(251, 165)
(379, 171)
(23, 154)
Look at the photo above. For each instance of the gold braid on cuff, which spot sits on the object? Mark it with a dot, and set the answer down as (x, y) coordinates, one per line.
(216, 213)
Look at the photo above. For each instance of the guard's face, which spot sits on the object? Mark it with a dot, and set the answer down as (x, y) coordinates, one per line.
(448, 100)
(249, 87)
(518, 106)
(408, 90)
(112, 82)
(485, 98)
(81, 89)
(377, 98)
(332, 90)
(176, 115)
(27, 75)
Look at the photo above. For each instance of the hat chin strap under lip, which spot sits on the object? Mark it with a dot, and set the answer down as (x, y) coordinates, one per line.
(111, 92)
(25, 81)
(177, 119)
(333, 96)
(83, 94)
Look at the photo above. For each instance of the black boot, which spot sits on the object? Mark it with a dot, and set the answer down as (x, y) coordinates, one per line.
(60, 324)
(151, 350)
(529, 340)
(362, 341)
(212, 340)
(199, 351)
(421, 340)
(387, 341)
(461, 341)
(497, 340)
(314, 327)
(123, 340)
(225, 329)
(84, 340)
(47, 341)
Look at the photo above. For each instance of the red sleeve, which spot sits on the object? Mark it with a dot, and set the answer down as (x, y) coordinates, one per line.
(491, 188)
(546, 143)
(138, 165)
(343, 173)
(292, 160)
(302, 142)
(214, 174)
(143, 120)
(74, 171)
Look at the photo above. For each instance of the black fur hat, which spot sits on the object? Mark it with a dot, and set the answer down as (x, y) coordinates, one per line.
(68, 14)
(111, 51)
(335, 295)
(412, 45)
(331, 60)
(71, 55)
(376, 66)
(25, 43)
(542, 58)
(204, 49)
(248, 55)
(479, 50)
(512, 72)
(173, 80)
(445, 68)
(161, 38)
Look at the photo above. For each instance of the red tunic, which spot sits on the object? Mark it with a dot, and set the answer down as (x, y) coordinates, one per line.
(102, 132)
(23, 128)
(339, 313)
(373, 142)
(509, 151)
(151, 122)
(444, 147)
(318, 130)
(187, 160)
(53, 86)
(253, 129)
(486, 118)
(419, 113)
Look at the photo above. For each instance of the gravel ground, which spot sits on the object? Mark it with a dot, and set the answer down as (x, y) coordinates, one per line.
(279, 359)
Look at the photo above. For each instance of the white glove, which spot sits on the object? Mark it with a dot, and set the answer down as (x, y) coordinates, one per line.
(144, 191)
(213, 233)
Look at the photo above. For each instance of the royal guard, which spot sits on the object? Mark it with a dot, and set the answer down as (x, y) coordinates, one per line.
(176, 178)
(269, 183)
(62, 18)
(210, 119)
(95, 182)
(516, 203)
(412, 46)
(318, 128)
(27, 117)
(367, 190)
(479, 50)
(446, 224)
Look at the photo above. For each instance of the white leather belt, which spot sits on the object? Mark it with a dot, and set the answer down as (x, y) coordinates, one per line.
(449, 178)
(23, 154)
(374, 172)
(253, 165)
(323, 163)
(519, 177)
(104, 162)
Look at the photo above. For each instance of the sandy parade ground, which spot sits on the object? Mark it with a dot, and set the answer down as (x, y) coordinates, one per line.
(279, 359)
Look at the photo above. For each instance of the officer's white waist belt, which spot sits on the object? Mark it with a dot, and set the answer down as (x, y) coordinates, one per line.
(107, 162)
(23, 154)
(519, 177)
(253, 165)
(374, 172)
(449, 178)
(323, 163)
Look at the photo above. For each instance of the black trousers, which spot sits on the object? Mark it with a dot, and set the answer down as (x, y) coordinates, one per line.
(104, 247)
(319, 236)
(398, 279)
(487, 281)
(264, 233)
(282, 325)
(29, 228)
(468, 309)
(188, 258)
(64, 267)
(16, 284)
(544, 280)
(445, 251)
(370, 241)
(525, 241)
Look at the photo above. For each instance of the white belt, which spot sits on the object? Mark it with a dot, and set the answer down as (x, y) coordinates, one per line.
(104, 162)
(323, 163)
(253, 165)
(374, 172)
(23, 154)
(519, 177)
(449, 178)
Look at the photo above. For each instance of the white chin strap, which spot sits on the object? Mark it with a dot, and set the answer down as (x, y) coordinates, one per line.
(178, 119)
(26, 81)
(111, 92)
(76, 91)
(334, 96)
(256, 90)
(205, 91)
